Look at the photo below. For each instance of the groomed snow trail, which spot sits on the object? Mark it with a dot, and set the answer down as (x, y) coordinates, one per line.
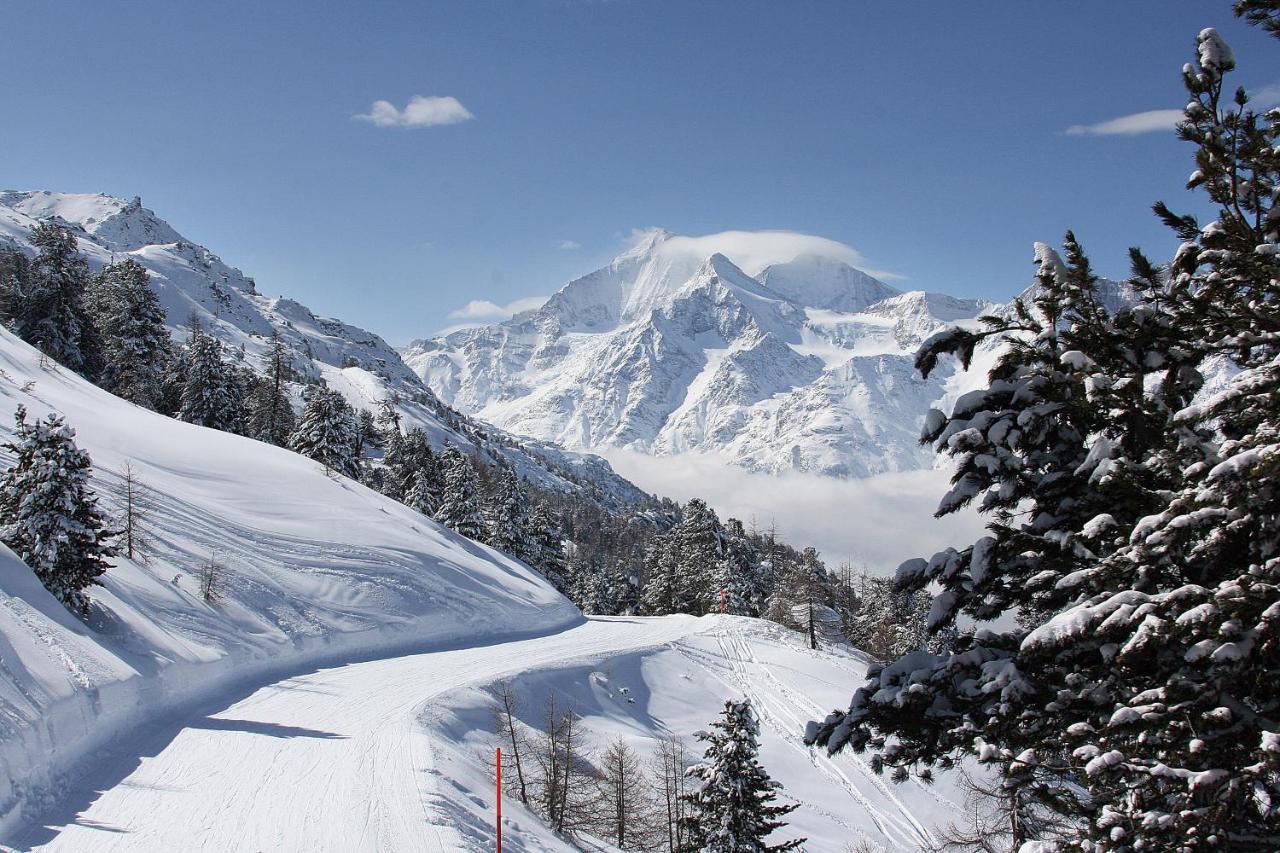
(332, 760)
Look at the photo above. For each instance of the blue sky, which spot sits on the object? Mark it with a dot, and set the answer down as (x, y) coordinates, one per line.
(931, 137)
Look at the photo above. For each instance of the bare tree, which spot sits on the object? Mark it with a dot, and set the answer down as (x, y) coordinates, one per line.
(997, 820)
(212, 580)
(668, 765)
(624, 797)
(134, 515)
(506, 723)
(574, 808)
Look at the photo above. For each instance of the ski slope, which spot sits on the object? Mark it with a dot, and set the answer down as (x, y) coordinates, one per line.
(389, 755)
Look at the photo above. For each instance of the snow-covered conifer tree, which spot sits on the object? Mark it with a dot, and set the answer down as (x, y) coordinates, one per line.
(48, 512)
(506, 517)
(546, 543)
(270, 414)
(1134, 535)
(662, 578)
(51, 314)
(211, 390)
(326, 432)
(699, 545)
(460, 497)
(733, 801)
(136, 346)
(738, 574)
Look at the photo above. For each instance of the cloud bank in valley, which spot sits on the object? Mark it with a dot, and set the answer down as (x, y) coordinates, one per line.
(876, 522)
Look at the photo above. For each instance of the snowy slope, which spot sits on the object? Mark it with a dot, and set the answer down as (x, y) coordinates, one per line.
(802, 364)
(192, 281)
(315, 568)
(390, 754)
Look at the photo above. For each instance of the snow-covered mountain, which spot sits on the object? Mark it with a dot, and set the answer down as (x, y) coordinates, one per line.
(194, 282)
(799, 363)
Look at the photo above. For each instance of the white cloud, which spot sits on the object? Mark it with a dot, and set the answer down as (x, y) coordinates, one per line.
(419, 112)
(484, 310)
(570, 245)
(1156, 121)
(752, 251)
(1265, 96)
(1151, 121)
(877, 522)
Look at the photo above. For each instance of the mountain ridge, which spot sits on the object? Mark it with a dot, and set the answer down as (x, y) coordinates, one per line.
(194, 283)
(805, 364)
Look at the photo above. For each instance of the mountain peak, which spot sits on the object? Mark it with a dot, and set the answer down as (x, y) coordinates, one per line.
(820, 281)
(117, 224)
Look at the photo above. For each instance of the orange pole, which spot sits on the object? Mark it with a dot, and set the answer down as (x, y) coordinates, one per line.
(499, 788)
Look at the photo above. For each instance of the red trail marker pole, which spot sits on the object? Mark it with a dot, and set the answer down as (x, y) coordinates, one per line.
(498, 786)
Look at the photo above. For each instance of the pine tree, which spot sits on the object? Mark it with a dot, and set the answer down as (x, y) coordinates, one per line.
(211, 390)
(699, 545)
(738, 577)
(135, 343)
(505, 517)
(733, 797)
(1135, 535)
(15, 281)
(460, 500)
(662, 577)
(50, 313)
(326, 432)
(546, 543)
(48, 511)
(270, 414)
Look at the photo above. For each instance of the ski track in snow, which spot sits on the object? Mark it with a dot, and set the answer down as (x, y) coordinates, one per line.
(330, 760)
(350, 759)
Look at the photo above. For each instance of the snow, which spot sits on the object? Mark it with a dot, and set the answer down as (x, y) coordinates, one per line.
(189, 279)
(401, 746)
(630, 696)
(316, 568)
(804, 366)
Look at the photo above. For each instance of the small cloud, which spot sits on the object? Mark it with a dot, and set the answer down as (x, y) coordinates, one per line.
(570, 245)
(419, 112)
(1151, 121)
(1265, 96)
(1157, 121)
(483, 310)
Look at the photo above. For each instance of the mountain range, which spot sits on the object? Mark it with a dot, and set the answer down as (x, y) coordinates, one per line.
(800, 363)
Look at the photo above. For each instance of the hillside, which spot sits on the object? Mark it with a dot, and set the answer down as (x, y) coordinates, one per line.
(194, 283)
(313, 568)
